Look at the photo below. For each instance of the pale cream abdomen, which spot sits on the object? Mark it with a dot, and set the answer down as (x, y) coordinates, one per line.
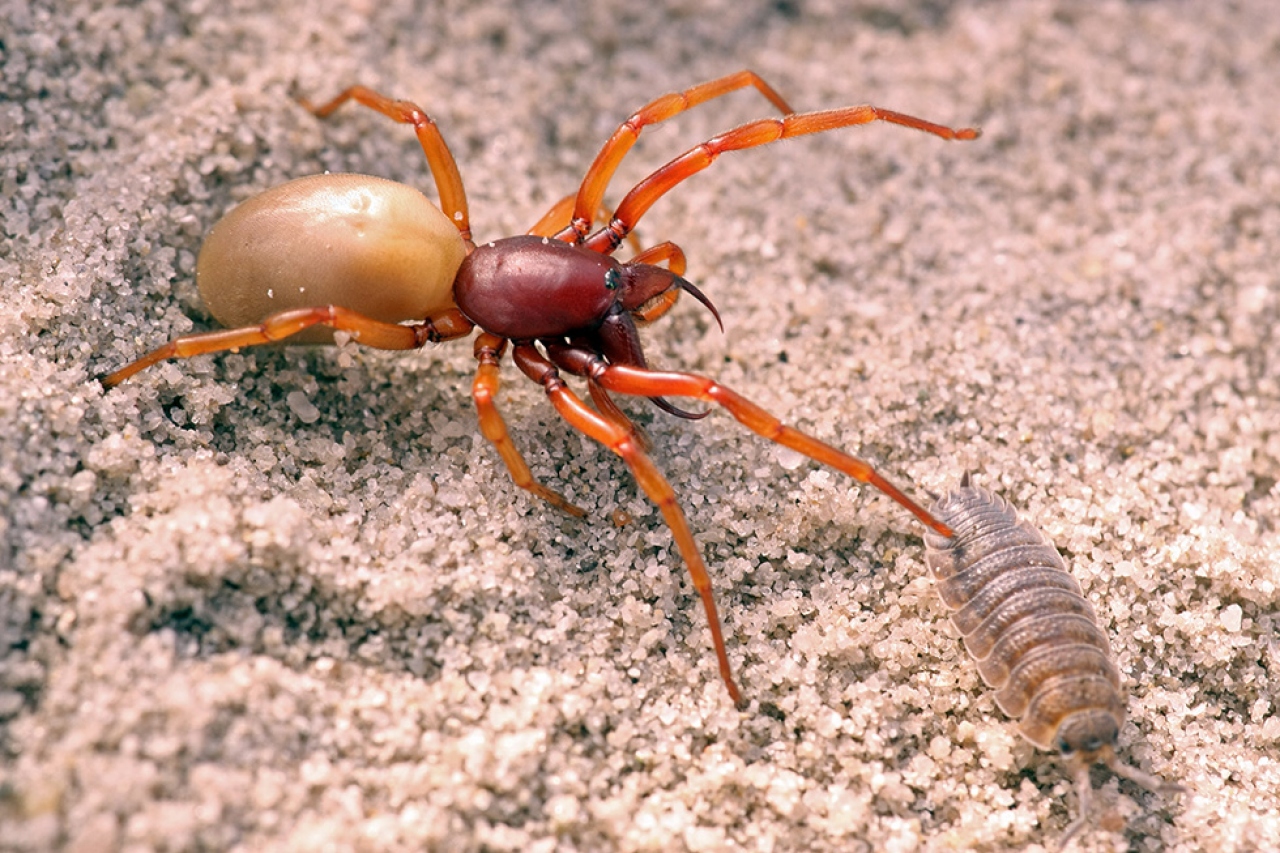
(364, 243)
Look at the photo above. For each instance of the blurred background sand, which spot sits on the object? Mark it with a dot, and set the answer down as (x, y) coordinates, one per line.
(289, 599)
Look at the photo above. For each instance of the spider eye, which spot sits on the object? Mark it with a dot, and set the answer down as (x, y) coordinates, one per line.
(612, 281)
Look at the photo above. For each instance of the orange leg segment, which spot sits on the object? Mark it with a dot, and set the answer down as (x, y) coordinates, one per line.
(652, 383)
(754, 134)
(555, 221)
(453, 197)
(364, 330)
(607, 407)
(484, 390)
(591, 193)
(620, 440)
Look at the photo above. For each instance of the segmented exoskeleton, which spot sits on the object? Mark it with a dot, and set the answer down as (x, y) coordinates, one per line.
(1034, 636)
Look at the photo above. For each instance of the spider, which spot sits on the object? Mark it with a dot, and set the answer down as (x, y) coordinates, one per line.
(374, 259)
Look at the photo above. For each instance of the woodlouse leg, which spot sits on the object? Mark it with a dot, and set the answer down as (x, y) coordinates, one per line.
(642, 382)
(618, 439)
(484, 390)
(364, 330)
(453, 196)
(591, 193)
(751, 135)
(1084, 791)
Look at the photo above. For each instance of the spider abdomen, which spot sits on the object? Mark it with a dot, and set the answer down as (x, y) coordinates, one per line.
(364, 243)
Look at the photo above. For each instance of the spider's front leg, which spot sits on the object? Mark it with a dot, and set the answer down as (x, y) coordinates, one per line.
(751, 135)
(642, 382)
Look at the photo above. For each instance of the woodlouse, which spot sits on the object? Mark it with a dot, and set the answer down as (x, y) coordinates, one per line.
(1035, 637)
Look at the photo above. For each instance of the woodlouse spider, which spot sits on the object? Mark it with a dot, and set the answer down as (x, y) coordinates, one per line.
(374, 259)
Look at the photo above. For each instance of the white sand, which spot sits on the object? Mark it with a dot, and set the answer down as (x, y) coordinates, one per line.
(289, 600)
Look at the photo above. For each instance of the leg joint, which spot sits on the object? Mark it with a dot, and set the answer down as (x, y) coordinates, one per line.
(488, 349)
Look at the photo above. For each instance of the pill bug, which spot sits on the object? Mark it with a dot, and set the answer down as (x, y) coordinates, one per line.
(1035, 637)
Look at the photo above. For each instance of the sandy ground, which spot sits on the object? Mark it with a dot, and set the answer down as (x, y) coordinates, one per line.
(289, 599)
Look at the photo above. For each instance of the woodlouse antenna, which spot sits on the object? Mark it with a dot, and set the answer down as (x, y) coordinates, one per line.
(1152, 783)
(1084, 794)
(1084, 790)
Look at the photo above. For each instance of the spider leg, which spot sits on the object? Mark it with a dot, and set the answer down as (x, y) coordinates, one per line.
(657, 307)
(750, 135)
(626, 379)
(591, 193)
(453, 196)
(488, 351)
(605, 404)
(555, 220)
(363, 330)
(620, 440)
(607, 407)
